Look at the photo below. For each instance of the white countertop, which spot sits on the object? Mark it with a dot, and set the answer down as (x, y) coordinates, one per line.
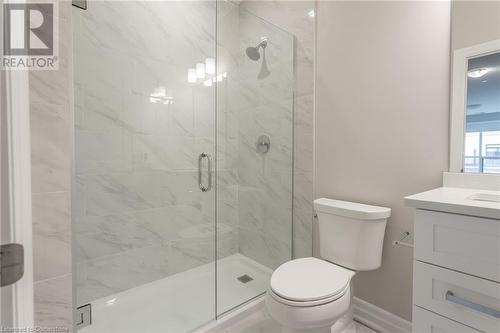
(456, 200)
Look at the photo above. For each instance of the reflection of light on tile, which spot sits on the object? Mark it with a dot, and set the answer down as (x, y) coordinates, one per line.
(160, 92)
(218, 78)
(159, 96)
(192, 75)
(311, 13)
(200, 70)
(204, 73)
(210, 66)
(165, 100)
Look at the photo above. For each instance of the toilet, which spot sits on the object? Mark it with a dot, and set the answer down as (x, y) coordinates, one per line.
(314, 294)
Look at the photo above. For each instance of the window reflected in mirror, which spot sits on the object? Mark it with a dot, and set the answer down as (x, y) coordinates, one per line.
(482, 125)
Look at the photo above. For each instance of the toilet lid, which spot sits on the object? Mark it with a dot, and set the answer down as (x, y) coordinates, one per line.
(309, 279)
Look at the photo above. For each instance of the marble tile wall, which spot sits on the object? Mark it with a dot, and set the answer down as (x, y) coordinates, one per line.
(51, 150)
(264, 106)
(130, 154)
(139, 214)
(297, 18)
(228, 39)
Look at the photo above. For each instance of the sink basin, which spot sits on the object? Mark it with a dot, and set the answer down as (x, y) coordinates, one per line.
(485, 197)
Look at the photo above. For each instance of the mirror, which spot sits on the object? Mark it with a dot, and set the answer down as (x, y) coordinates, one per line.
(475, 102)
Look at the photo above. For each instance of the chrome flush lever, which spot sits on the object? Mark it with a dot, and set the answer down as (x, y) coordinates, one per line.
(200, 177)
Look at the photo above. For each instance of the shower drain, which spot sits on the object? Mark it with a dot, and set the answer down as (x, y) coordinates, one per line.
(245, 278)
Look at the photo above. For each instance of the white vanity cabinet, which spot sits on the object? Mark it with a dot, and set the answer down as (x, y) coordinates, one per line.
(456, 272)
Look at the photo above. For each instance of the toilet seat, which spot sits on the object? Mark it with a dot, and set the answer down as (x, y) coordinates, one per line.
(307, 303)
(309, 282)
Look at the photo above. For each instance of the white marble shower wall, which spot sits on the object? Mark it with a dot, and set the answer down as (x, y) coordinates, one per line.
(228, 39)
(264, 106)
(298, 18)
(51, 117)
(262, 185)
(139, 215)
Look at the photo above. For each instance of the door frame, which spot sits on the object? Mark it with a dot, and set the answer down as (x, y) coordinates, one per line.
(16, 189)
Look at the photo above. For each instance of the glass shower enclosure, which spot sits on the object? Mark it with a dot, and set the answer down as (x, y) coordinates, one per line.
(183, 161)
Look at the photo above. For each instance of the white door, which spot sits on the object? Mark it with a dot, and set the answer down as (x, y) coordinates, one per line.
(16, 291)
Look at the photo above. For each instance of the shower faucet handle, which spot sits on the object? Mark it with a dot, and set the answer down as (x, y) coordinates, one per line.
(263, 144)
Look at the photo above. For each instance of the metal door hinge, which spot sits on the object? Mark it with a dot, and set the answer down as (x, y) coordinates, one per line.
(11, 263)
(83, 316)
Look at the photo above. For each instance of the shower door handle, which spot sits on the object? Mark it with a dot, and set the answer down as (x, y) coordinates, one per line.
(200, 176)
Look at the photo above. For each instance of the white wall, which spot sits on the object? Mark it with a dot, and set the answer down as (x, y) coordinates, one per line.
(474, 22)
(382, 120)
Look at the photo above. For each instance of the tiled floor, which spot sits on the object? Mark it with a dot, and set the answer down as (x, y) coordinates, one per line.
(261, 322)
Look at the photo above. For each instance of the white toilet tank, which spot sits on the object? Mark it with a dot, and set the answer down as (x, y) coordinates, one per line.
(351, 234)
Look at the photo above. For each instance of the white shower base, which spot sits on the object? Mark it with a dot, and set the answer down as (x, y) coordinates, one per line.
(181, 302)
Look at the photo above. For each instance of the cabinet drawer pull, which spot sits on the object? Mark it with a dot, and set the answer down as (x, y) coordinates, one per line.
(450, 297)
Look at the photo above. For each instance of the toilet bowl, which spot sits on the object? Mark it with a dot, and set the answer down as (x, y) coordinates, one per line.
(317, 296)
(312, 294)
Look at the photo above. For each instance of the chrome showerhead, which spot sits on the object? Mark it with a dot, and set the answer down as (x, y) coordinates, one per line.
(253, 51)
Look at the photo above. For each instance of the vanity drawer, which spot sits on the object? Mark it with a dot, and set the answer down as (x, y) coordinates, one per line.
(465, 243)
(428, 322)
(466, 299)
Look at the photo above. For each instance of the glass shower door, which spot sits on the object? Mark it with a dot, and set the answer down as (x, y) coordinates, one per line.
(144, 208)
(183, 161)
(254, 153)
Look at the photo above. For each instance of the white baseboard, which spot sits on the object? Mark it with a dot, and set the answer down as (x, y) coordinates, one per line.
(363, 312)
(379, 319)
